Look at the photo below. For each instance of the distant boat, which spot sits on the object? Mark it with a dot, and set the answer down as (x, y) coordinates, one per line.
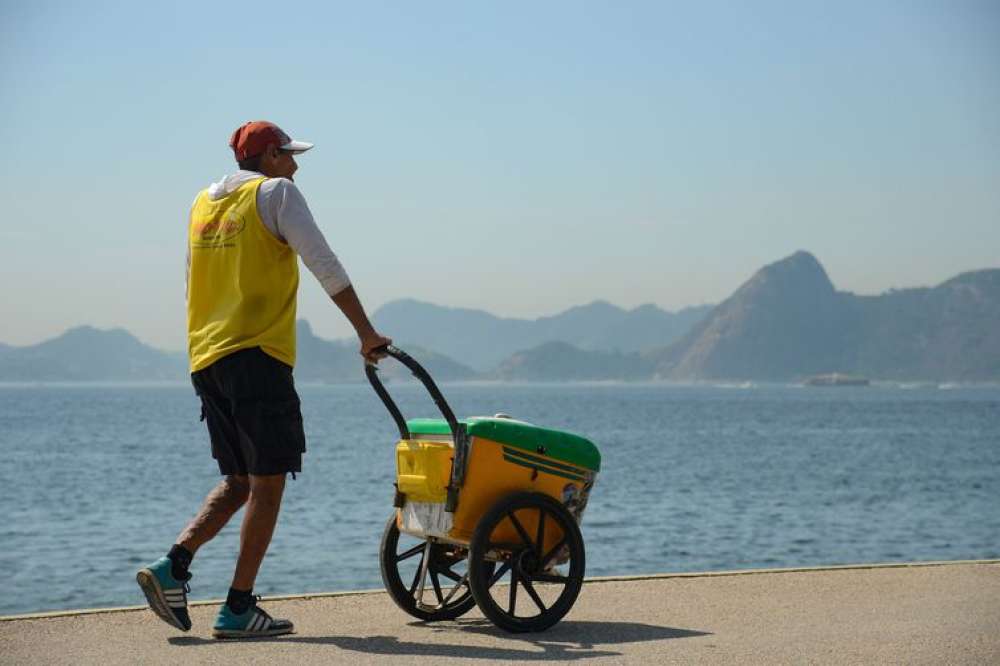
(836, 379)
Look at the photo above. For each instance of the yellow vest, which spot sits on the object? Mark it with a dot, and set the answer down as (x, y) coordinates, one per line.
(242, 282)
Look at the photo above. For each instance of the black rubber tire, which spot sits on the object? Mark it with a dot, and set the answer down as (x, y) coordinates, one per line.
(481, 570)
(398, 590)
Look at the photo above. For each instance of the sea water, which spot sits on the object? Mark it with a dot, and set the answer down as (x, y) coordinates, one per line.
(98, 480)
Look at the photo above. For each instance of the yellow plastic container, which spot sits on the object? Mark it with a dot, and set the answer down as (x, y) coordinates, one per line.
(423, 469)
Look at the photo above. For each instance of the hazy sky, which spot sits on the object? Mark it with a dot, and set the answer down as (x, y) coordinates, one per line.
(517, 157)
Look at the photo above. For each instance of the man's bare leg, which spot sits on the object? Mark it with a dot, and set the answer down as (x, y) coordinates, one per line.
(240, 617)
(258, 526)
(220, 504)
(164, 581)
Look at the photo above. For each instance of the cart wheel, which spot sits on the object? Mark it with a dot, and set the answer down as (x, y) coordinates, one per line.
(546, 566)
(401, 558)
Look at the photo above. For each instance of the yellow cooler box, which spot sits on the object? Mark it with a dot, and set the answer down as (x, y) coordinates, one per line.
(504, 456)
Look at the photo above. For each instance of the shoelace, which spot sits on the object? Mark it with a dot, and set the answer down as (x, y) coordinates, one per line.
(185, 581)
(253, 604)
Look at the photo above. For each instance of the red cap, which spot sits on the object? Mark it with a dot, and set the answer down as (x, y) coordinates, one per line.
(254, 137)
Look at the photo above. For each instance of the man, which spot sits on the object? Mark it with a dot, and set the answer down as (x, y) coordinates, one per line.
(244, 236)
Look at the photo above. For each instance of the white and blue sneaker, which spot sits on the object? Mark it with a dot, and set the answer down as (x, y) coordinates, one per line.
(167, 596)
(254, 622)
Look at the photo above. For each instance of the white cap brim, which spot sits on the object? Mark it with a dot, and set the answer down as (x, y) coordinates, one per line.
(297, 146)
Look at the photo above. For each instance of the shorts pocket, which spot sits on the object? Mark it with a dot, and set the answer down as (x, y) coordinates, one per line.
(280, 430)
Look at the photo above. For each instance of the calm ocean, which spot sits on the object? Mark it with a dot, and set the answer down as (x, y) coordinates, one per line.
(98, 480)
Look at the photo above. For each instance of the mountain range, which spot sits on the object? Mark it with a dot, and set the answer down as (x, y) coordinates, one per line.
(320, 360)
(785, 323)
(89, 354)
(482, 340)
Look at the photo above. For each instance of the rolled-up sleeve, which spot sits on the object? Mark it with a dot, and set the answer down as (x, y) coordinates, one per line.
(296, 226)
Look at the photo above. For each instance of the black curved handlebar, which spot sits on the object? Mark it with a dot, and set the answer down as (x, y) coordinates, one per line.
(418, 371)
(459, 437)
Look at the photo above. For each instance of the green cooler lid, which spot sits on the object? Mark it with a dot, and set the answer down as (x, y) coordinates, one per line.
(560, 445)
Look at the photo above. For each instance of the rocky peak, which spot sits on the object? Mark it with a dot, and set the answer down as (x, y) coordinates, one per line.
(797, 277)
(784, 320)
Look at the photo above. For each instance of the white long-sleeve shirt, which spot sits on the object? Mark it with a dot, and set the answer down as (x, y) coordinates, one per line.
(284, 212)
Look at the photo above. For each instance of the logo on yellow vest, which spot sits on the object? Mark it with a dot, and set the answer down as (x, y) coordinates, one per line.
(213, 232)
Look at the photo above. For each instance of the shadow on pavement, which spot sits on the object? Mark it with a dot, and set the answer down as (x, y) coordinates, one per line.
(584, 634)
(566, 641)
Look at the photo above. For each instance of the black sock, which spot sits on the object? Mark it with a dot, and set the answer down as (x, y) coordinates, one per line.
(180, 558)
(239, 600)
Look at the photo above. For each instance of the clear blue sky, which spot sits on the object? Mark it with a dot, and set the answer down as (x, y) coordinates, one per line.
(519, 157)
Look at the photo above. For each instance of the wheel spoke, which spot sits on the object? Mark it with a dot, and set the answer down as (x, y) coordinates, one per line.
(410, 553)
(437, 588)
(540, 540)
(499, 573)
(448, 573)
(451, 593)
(534, 595)
(550, 578)
(504, 545)
(513, 592)
(416, 577)
(520, 529)
(552, 553)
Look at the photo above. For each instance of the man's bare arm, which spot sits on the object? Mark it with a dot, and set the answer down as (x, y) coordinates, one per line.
(347, 300)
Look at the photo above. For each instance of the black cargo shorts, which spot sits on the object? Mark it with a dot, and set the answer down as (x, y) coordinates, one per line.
(249, 403)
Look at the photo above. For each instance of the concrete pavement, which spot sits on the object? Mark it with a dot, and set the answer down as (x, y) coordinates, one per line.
(931, 613)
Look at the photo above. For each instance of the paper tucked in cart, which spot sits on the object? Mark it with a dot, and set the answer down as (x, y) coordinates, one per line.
(423, 519)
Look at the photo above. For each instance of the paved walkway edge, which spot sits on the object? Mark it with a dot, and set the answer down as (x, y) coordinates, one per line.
(593, 580)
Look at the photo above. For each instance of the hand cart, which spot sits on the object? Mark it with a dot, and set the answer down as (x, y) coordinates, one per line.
(487, 513)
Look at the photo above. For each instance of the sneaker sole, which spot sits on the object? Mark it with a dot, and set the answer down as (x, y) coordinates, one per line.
(238, 633)
(150, 586)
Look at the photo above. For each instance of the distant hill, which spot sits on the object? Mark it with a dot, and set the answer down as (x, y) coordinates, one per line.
(948, 332)
(482, 340)
(338, 361)
(90, 354)
(784, 322)
(560, 361)
(319, 360)
(788, 322)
